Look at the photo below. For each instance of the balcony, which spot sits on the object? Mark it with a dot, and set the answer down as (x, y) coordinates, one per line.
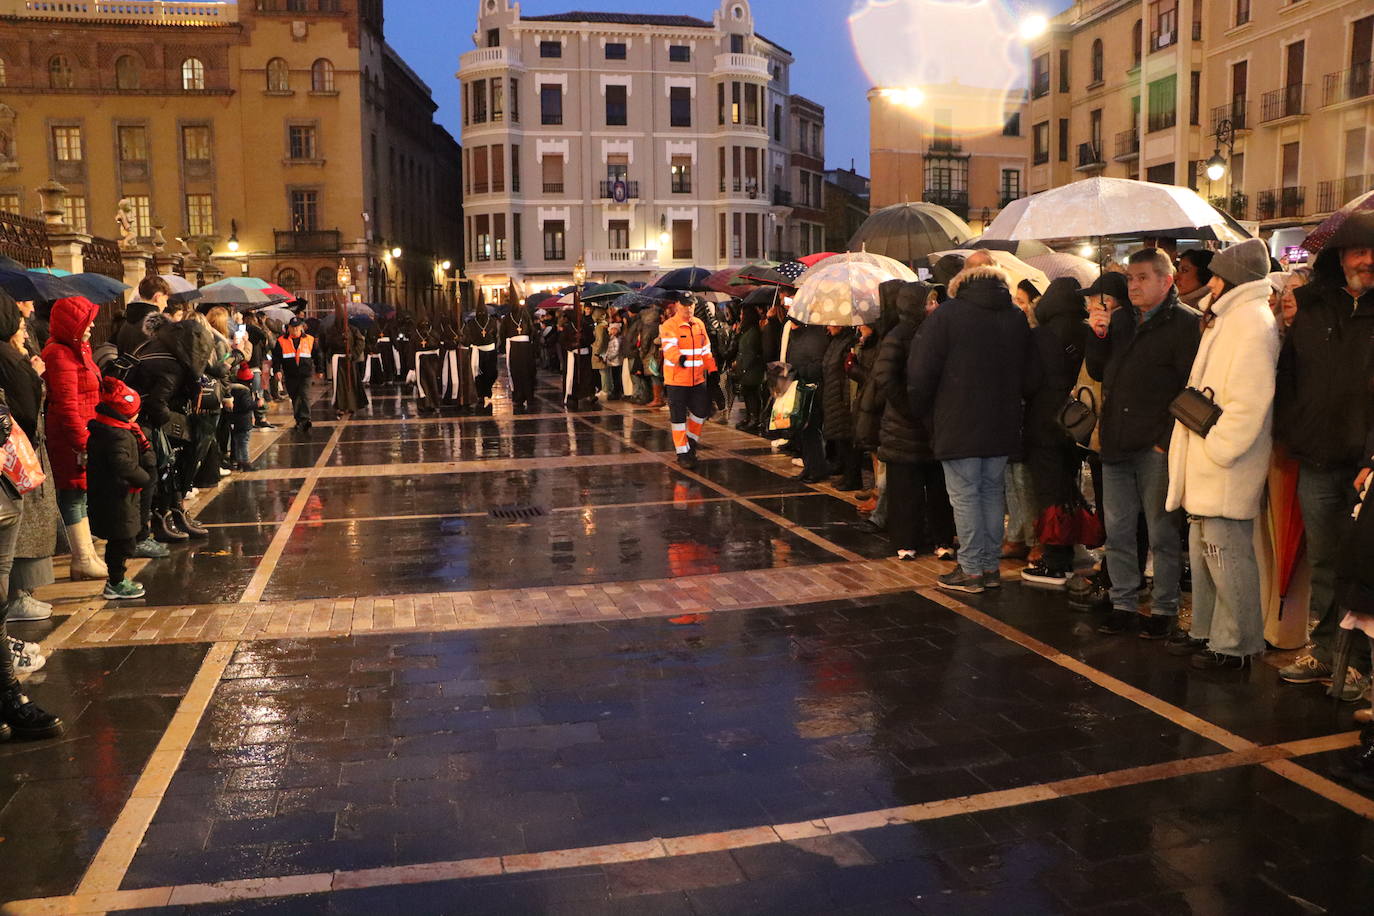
(1127, 144)
(147, 12)
(553, 187)
(1279, 203)
(1238, 204)
(742, 64)
(610, 191)
(1238, 113)
(1090, 158)
(490, 59)
(1288, 102)
(1336, 193)
(291, 7)
(955, 201)
(1163, 39)
(781, 197)
(610, 259)
(943, 146)
(307, 241)
(1348, 85)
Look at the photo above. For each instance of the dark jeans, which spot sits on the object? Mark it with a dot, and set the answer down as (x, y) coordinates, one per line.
(919, 516)
(1140, 484)
(850, 459)
(117, 554)
(812, 446)
(1327, 497)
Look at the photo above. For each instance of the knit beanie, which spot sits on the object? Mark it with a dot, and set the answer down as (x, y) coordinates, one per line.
(119, 397)
(1243, 263)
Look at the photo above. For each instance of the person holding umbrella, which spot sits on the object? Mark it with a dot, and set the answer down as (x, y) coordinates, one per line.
(687, 365)
(293, 360)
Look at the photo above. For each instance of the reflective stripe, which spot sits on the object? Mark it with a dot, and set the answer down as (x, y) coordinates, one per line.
(691, 362)
(700, 351)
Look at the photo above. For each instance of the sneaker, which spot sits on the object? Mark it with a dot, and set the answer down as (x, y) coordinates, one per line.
(1207, 660)
(945, 553)
(1306, 670)
(19, 647)
(1117, 622)
(1181, 642)
(906, 554)
(26, 663)
(1356, 686)
(25, 718)
(27, 607)
(151, 549)
(1157, 626)
(123, 591)
(957, 580)
(225, 472)
(992, 578)
(1043, 575)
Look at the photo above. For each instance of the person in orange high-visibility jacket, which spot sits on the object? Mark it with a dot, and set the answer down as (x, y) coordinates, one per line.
(687, 362)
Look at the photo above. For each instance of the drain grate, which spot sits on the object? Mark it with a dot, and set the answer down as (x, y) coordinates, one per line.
(516, 511)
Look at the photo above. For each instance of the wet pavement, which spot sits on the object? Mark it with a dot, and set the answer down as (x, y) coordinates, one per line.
(896, 752)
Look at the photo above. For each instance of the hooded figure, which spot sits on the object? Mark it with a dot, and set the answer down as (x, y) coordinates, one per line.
(122, 464)
(518, 334)
(481, 333)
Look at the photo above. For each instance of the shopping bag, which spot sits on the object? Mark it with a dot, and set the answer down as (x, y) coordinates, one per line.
(780, 419)
(21, 466)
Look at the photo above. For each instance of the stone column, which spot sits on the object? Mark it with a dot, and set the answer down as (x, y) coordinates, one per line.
(68, 250)
(136, 264)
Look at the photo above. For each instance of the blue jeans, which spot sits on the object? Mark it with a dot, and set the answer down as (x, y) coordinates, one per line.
(977, 493)
(1326, 497)
(71, 505)
(1141, 483)
(240, 443)
(1226, 588)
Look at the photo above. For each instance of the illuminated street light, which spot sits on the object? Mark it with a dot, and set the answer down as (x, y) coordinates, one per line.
(1033, 26)
(396, 252)
(233, 243)
(1087, 251)
(446, 265)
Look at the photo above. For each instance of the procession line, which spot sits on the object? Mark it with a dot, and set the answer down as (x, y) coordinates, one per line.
(89, 900)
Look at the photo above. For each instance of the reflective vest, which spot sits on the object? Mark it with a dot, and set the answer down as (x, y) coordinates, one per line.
(687, 358)
(297, 349)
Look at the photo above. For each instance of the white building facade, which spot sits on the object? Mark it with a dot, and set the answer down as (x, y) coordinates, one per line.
(639, 143)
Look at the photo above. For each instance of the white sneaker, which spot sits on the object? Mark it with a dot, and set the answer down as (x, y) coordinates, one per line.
(225, 472)
(776, 444)
(26, 663)
(906, 554)
(27, 607)
(18, 646)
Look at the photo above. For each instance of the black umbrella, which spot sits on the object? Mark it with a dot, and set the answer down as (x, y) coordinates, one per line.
(764, 297)
(96, 287)
(688, 279)
(29, 285)
(911, 232)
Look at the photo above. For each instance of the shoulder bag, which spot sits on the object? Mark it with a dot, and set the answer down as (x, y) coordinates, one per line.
(1196, 409)
(1078, 418)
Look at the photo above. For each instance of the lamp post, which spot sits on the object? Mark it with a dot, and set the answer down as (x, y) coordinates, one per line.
(1218, 166)
(579, 277)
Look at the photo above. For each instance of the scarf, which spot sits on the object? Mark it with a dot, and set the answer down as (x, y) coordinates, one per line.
(121, 423)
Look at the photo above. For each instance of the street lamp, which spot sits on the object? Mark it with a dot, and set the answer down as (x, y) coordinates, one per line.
(1225, 135)
(446, 265)
(233, 243)
(396, 252)
(663, 237)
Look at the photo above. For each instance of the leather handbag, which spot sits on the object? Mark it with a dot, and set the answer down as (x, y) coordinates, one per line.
(1196, 410)
(1078, 418)
(177, 428)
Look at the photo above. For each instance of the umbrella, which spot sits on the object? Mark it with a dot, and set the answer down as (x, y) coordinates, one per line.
(724, 281)
(910, 232)
(54, 272)
(10, 264)
(270, 289)
(234, 295)
(892, 266)
(1022, 248)
(1016, 268)
(843, 290)
(689, 279)
(605, 291)
(1098, 207)
(766, 274)
(183, 290)
(764, 297)
(793, 270)
(1058, 264)
(1352, 226)
(97, 287)
(32, 286)
(810, 260)
(533, 300)
(279, 313)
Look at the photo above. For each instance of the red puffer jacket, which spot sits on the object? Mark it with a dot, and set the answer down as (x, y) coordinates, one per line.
(73, 388)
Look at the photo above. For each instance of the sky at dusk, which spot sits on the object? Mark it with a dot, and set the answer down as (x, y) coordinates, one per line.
(430, 36)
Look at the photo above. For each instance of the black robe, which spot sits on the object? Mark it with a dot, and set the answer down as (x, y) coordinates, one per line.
(520, 333)
(481, 334)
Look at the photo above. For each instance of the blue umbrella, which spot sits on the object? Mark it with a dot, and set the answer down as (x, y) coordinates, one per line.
(690, 279)
(29, 285)
(96, 287)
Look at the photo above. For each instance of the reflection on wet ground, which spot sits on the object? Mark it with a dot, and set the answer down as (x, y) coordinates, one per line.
(212, 571)
(409, 451)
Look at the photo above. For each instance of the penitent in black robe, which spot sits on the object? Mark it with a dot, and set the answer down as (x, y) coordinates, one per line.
(519, 332)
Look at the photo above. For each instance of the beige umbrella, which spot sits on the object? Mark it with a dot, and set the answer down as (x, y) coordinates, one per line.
(1016, 268)
(843, 290)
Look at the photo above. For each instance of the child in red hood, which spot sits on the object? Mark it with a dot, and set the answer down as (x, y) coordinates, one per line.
(121, 464)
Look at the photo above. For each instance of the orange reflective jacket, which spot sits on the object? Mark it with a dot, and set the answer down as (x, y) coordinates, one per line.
(296, 348)
(687, 358)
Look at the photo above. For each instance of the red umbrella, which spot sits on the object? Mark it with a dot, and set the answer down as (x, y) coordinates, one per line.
(1352, 226)
(811, 259)
(273, 289)
(720, 282)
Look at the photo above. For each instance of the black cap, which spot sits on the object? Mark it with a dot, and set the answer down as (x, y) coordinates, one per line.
(297, 322)
(1109, 283)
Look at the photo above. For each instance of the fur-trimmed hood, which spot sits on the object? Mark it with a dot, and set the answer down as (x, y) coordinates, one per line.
(970, 275)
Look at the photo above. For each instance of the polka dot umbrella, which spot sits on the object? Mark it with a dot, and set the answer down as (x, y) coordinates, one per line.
(843, 290)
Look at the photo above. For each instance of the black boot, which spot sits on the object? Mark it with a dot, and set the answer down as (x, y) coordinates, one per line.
(185, 523)
(26, 719)
(1357, 766)
(166, 530)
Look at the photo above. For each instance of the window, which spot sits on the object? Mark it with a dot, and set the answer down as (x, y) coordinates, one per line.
(777, 123)
(1040, 139)
(553, 174)
(516, 243)
(478, 89)
(305, 210)
(1195, 97)
(133, 144)
(617, 168)
(498, 168)
(4, 80)
(550, 49)
(752, 110)
(9, 202)
(514, 100)
(76, 213)
(195, 144)
(278, 76)
(493, 38)
(288, 279)
(1063, 139)
(617, 106)
(736, 44)
(680, 54)
(192, 74)
(1011, 185)
(680, 106)
(681, 173)
(1163, 112)
(554, 240)
(1164, 18)
(1064, 70)
(1012, 127)
(498, 226)
(141, 214)
(1137, 39)
(1097, 63)
(498, 99)
(551, 104)
(618, 234)
(66, 144)
(720, 103)
(515, 168)
(301, 142)
(482, 226)
(1040, 76)
(734, 103)
(615, 50)
(322, 76)
(128, 72)
(1242, 12)
(682, 239)
(60, 72)
(200, 217)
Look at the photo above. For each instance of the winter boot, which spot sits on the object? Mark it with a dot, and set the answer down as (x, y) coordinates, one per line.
(187, 524)
(85, 563)
(658, 396)
(1357, 765)
(26, 719)
(165, 529)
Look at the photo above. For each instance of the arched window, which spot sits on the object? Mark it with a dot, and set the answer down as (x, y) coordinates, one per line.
(288, 279)
(60, 72)
(1137, 37)
(127, 72)
(322, 76)
(278, 76)
(326, 278)
(1097, 61)
(192, 74)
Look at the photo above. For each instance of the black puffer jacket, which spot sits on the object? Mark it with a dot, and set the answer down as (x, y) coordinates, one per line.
(901, 438)
(170, 365)
(1059, 337)
(131, 333)
(1322, 404)
(115, 468)
(806, 346)
(1142, 368)
(838, 419)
